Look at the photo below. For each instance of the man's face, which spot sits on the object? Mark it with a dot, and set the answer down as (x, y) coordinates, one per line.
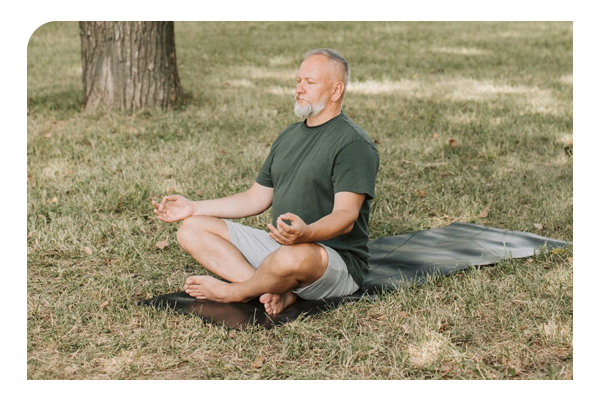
(313, 88)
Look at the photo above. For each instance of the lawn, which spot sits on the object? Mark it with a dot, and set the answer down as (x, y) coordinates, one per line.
(473, 123)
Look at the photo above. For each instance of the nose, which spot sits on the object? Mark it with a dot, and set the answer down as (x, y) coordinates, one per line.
(300, 88)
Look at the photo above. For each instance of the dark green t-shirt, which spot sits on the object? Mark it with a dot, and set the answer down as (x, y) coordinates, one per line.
(307, 166)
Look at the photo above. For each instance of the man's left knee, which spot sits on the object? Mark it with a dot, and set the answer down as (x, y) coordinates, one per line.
(194, 230)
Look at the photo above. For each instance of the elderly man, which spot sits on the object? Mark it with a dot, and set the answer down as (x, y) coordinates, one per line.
(319, 177)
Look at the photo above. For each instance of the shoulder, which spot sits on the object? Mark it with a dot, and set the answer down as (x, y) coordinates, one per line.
(355, 134)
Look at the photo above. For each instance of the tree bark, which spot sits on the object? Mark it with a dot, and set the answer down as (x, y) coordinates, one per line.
(129, 66)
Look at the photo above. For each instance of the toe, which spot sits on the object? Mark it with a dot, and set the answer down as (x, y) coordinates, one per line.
(265, 298)
(193, 280)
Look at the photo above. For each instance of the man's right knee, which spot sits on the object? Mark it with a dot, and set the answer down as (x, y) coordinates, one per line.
(193, 230)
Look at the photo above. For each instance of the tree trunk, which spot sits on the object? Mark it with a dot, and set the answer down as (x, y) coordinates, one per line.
(129, 66)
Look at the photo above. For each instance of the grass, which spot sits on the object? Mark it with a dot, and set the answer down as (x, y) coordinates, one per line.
(501, 91)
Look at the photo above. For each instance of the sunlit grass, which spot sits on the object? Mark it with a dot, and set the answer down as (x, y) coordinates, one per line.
(467, 118)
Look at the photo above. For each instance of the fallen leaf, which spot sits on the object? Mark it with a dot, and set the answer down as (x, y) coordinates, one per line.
(570, 259)
(258, 363)
(53, 200)
(30, 234)
(485, 212)
(569, 150)
(539, 227)
(88, 250)
(406, 329)
(443, 326)
(48, 135)
(104, 305)
(452, 143)
(559, 250)
(71, 370)
(162, 244)
(434, 135)
(421, 193)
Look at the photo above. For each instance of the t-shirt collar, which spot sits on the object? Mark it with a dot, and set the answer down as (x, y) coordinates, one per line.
(309, 128)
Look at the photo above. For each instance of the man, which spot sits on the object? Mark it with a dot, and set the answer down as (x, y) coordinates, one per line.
(320, 179)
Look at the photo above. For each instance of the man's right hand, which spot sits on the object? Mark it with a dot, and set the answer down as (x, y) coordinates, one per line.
(173, 208)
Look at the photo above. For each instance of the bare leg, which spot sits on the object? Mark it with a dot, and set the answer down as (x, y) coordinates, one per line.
(285, 269)
(207, 240)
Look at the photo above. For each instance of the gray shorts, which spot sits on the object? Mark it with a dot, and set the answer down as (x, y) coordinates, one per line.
(256, 245)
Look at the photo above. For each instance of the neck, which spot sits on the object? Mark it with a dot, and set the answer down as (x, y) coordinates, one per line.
(324, 116)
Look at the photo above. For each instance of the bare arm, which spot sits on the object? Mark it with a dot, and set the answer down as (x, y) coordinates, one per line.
(250, 202)
(245, 204)
(346, 208)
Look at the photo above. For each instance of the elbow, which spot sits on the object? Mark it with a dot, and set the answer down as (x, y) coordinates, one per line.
(348, 228)
(351, 221)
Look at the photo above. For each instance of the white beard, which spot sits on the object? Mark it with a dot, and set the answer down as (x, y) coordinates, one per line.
(309, 110)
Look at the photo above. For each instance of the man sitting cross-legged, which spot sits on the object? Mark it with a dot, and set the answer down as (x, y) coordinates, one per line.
(319, 177)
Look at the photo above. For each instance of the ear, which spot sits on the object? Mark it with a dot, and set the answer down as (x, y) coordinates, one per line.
(337, 91)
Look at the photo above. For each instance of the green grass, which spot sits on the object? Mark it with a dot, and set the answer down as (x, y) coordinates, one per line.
(502, 91)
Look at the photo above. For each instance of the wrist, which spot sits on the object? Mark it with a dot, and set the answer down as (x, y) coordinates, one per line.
(195, 208)
(309, 234)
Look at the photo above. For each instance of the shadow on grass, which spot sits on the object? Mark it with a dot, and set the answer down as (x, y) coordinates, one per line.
(68, 101)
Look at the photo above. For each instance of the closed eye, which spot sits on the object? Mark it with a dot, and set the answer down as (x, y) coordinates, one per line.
(309, 81)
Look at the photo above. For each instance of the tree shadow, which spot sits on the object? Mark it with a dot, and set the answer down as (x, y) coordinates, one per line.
(69, 101)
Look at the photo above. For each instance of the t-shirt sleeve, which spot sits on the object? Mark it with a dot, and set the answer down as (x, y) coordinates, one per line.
(264, 176)
(355, 169)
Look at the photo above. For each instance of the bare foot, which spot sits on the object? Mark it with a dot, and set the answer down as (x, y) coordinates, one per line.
(276, 303)
(206, 287)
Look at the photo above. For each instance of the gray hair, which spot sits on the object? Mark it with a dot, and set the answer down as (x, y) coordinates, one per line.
(337, 59)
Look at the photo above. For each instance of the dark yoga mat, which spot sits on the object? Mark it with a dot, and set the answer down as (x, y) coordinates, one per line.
(396, 261)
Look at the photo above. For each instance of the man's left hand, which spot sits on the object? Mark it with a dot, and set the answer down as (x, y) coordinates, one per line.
(286, 235)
